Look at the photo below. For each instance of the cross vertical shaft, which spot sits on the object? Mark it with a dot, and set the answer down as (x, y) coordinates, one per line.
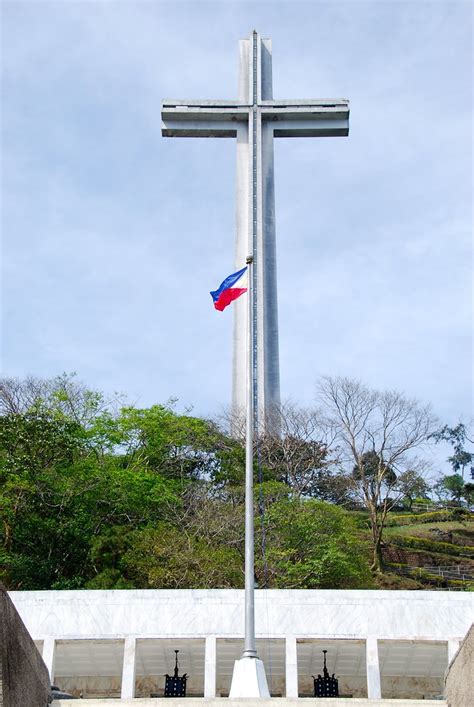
(254, 120)
(255, 233)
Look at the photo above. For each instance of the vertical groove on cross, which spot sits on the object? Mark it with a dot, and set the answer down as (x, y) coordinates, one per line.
(269, 337)
(255, 255)
(255, 186)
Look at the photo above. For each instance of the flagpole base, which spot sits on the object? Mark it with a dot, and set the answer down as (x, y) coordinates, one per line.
(249, 679)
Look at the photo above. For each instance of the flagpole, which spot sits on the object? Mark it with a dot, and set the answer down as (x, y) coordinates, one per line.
(250, 650)
(248, 678)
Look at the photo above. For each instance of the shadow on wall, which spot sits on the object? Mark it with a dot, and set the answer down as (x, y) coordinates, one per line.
(459, 678)
(24, 678)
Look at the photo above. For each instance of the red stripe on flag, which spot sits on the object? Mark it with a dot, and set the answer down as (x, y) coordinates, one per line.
(228, 296)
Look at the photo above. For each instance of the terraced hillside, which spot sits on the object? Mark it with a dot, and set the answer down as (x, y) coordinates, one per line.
(430, 550)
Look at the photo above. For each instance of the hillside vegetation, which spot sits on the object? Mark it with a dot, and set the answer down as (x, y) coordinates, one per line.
(435, 550)
(97, 494)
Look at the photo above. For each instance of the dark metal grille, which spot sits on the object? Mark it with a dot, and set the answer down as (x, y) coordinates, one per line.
(175, 686)
(326, 685)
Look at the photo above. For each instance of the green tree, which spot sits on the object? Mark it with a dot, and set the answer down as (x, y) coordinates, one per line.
(179, 447)
(312, 544)
(64, 480)
(450, 487)
(166, 557)
(33, 446)
(469, 493)
(413, 487)
(457, 436)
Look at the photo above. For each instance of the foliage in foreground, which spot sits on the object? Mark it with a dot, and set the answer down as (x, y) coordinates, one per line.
(97, 498)
(313, 544)
(95, 494)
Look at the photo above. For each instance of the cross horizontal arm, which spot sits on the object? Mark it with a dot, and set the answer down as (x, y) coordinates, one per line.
(316, 102)
(311, 118)
(311, 128)
(306, 109)
(202, 118)
(321, 118)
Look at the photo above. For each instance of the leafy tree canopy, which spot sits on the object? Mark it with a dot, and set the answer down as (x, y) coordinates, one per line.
(99, 494)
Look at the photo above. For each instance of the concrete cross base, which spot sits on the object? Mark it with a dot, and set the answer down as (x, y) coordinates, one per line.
(249, 679)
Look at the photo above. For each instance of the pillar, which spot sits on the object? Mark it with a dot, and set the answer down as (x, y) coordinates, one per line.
(291, 667)
(374, 691)
(49, 654)
(128, 669)
(210, 667)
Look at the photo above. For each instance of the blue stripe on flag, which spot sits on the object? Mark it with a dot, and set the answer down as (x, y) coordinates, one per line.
(228, 282)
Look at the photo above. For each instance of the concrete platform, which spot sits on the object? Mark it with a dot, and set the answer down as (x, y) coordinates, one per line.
(273, 702)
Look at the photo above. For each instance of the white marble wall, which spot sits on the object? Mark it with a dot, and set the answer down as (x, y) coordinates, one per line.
(220, 612)
(128, 615)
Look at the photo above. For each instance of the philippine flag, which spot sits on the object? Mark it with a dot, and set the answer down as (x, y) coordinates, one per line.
(233, 286)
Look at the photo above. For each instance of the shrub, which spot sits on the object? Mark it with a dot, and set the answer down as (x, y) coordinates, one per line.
(431, 517)
(410, 541)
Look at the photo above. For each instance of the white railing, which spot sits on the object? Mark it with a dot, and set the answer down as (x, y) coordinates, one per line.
(463, 573)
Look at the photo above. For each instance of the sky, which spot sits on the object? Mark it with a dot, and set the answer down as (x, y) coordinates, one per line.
(113, 236)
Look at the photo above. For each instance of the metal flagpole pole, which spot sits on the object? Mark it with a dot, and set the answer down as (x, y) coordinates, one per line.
(248, 679)
(250, 650)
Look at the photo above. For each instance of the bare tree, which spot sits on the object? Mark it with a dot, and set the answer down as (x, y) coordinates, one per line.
(299, 455)
(18, 396)
(377, 433)
(62, 394)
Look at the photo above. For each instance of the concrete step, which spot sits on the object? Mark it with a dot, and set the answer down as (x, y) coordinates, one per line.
(274, 702)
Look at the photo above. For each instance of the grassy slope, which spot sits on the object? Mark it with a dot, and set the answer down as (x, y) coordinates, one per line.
(420, 540)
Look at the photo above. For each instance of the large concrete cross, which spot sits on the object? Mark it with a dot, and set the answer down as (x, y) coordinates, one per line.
(255, 119)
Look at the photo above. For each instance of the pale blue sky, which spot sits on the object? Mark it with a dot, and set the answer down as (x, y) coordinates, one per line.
(113, 236)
